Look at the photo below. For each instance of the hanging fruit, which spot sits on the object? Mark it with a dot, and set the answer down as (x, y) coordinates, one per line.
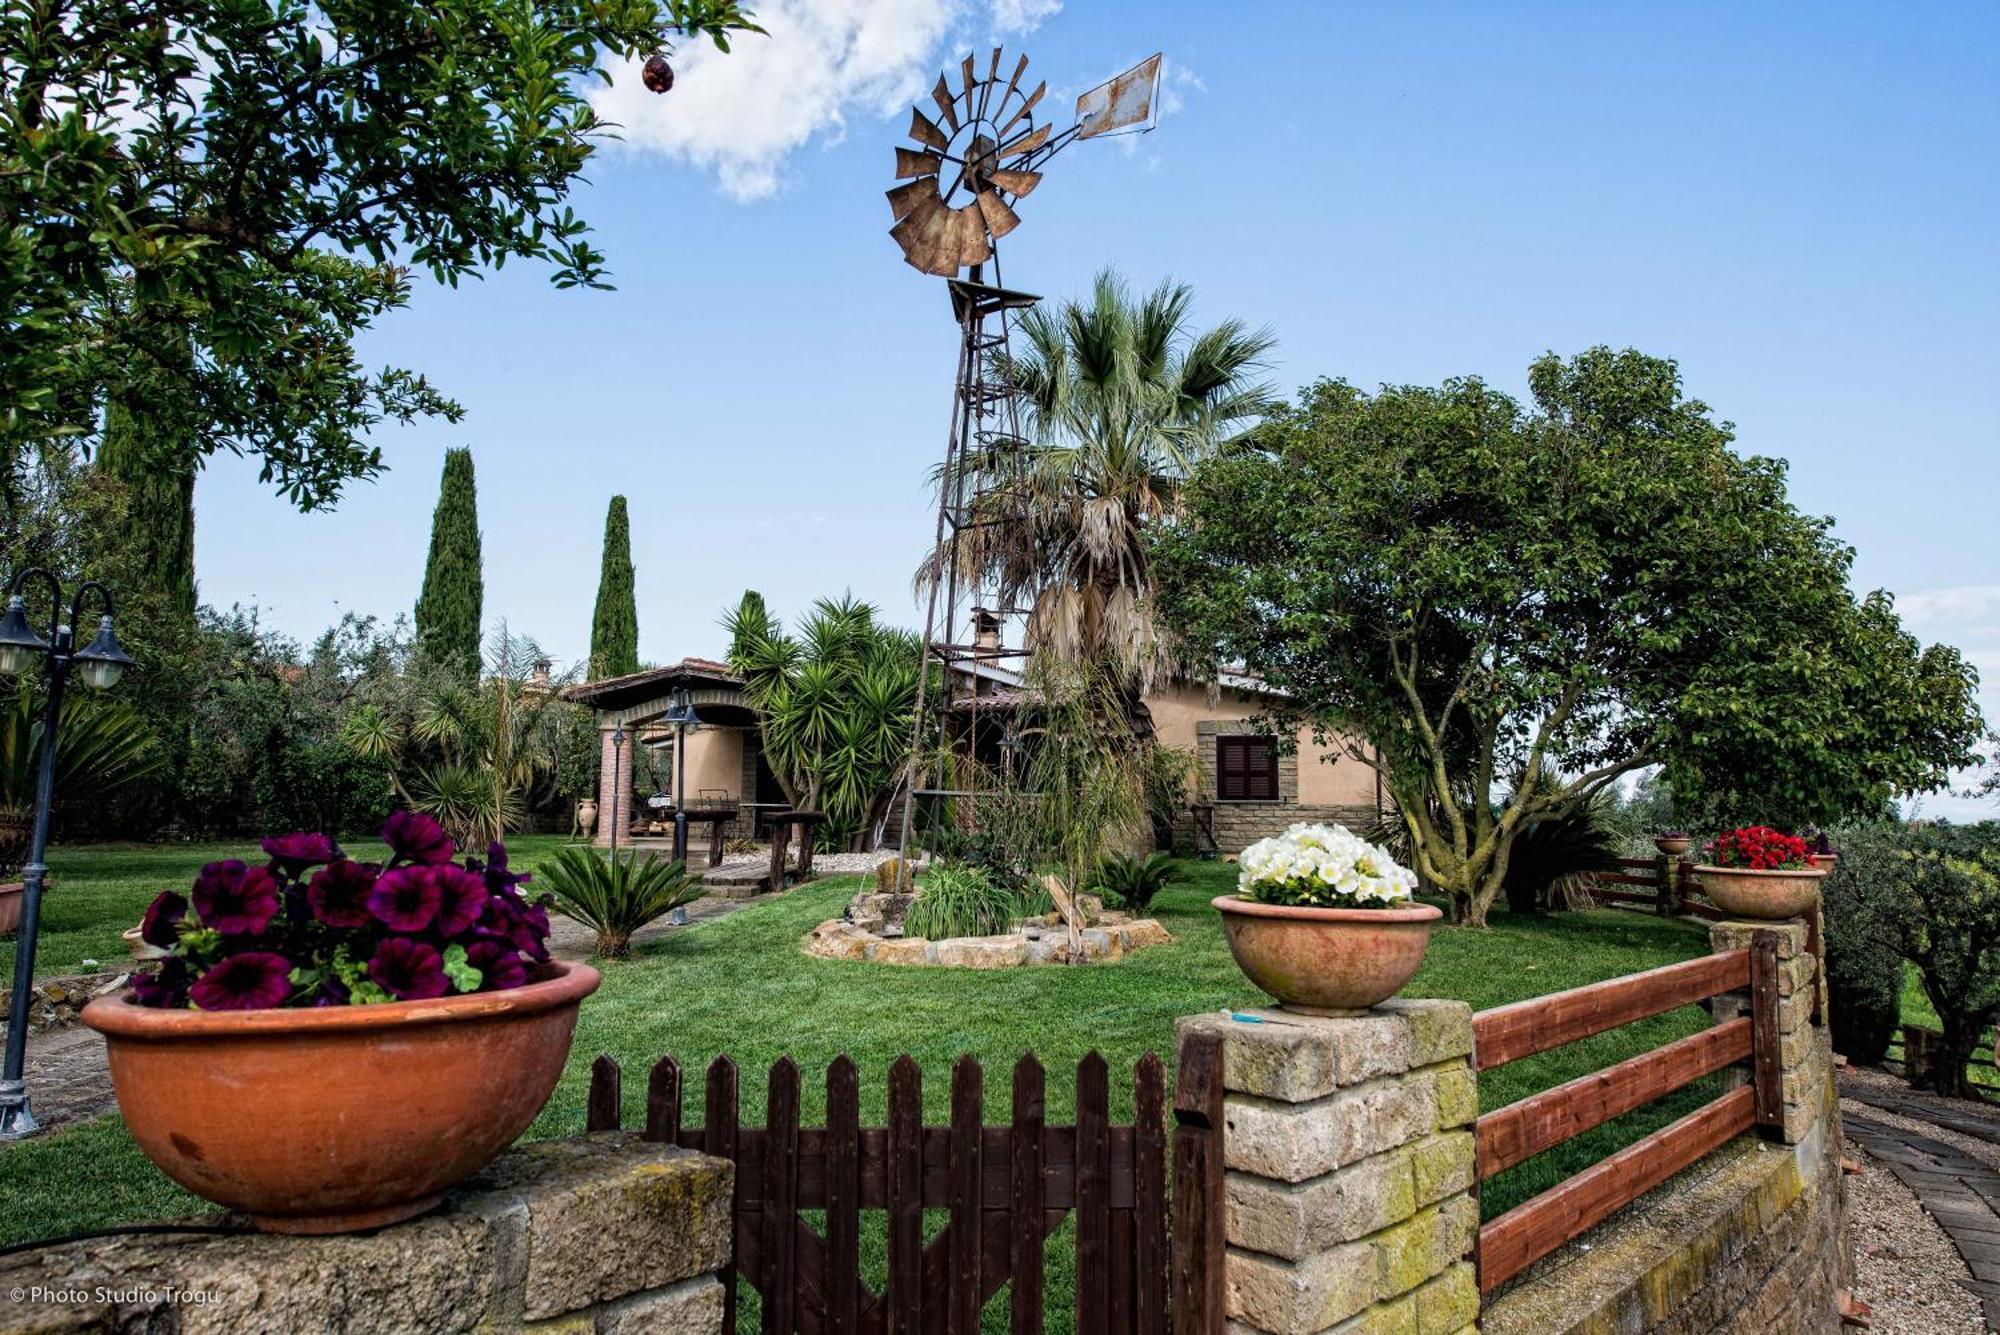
(659, 75)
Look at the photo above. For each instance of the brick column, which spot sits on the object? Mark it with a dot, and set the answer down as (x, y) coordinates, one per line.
(1805, 1050)
(614, 787)
(1350, 1185)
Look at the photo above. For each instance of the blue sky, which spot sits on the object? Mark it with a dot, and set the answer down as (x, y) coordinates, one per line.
(1800, 203)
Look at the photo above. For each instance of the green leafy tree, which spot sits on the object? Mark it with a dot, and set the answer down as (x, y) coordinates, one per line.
(1496, 597)
(835, 705)
(1122, 397)
(1947, 918)
(210, 201)
(614, 625)
(454, 592)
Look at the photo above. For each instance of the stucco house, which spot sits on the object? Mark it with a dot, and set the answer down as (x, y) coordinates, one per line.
(1250, 786)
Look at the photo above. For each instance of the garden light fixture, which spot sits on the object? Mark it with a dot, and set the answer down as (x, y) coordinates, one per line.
(102, 663)
(681, 714)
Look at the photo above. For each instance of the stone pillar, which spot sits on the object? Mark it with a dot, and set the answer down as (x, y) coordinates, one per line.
(614, 786)
(1805, 1050)
(1349, 1150)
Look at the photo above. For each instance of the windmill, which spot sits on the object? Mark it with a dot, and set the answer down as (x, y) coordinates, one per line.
(976, 150)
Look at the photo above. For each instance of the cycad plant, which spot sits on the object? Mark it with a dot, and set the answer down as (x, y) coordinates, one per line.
(1131, 882)
(1123, 397)
(834, 706)
(615, 895)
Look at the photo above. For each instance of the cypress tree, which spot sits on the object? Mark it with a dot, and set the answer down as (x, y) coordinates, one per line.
(160, 510)
(614, 625)
(454, 591)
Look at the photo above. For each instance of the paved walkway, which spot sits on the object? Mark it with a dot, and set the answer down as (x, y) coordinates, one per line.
(1960, 1192)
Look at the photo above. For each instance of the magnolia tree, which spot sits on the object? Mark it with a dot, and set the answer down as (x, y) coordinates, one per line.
(1509, 607)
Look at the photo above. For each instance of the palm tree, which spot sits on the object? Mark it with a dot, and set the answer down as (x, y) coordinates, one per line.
(1122, 399)
(833, 704)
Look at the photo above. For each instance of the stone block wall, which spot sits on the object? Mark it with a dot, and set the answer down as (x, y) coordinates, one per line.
(1348, 1143)
(605, 1234)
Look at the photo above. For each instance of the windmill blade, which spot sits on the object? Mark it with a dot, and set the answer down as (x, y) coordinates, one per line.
(909, 163)
(947, 104)
(986, 86)
(1025, 107)
(1013, 83)
(966, 69)
(905, 198)
(1019, 184)
(925, 131)
(925, 236)
(999, 218)
(968, 231)
(1026, 143)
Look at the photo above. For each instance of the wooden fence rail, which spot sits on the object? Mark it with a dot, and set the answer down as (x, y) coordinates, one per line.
(1005, 1189)
(1507, 1136)
(1666, 887)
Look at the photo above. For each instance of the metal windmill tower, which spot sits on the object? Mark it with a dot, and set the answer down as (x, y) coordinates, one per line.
(962, 176)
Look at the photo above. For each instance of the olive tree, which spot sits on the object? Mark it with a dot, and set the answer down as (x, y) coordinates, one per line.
(1509, 607)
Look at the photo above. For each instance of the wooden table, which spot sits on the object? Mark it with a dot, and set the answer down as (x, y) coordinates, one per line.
(716, 818)
(783, 823)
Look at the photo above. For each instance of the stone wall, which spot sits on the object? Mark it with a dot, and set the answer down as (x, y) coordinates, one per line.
(1348, 1144)
(1240, 824)
(1751, 1240)
(600, 1234)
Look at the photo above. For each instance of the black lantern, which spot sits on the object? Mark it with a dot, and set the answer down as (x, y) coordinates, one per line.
(681, 714)
(101, 663)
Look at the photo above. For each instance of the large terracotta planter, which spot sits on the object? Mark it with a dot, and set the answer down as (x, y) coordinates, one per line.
(10, 907)
(1326, 961)
(1742, 893)
(341, 1118)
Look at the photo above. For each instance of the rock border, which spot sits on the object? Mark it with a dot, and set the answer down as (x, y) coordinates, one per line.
(1111, 938)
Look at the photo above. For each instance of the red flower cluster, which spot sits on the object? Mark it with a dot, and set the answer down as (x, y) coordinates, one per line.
(1759, 848)
(285, 934)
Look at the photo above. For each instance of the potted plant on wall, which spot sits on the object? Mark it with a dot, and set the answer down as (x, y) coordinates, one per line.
(1673, 843)
(1759, 872)
(329, 1044)
(1325, 921)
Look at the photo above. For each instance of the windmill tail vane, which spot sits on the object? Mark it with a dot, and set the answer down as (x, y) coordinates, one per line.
(977, 149)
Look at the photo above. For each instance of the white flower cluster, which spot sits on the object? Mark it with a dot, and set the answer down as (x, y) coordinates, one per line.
(1323, 866)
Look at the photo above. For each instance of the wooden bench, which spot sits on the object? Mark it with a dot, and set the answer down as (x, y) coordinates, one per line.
(783, 825)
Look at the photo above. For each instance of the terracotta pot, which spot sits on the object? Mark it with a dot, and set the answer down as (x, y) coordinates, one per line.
(10, 907)
(1673, 848)
(1771, 895)
(1326, 961)
(141, 950)
(586, 817)
(342, 1118)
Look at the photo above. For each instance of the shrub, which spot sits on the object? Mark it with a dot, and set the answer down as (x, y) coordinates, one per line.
(1130, 882)
(1864, 963)
(960, 900)
(254, 938)
(616, 896)
(1554, 859)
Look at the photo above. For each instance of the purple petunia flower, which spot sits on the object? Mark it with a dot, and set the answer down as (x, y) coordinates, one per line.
(162, 924)
(518, 921)
(166, 989)
(417, 838)
(462, 898)
(339, 893)
(412, 970)
(499, 964)
(498, 878)
(405, 899)
(295, 852)
(255, 980)
(234, 899)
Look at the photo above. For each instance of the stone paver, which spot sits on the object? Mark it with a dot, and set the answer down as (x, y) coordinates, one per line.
(1960, 1192)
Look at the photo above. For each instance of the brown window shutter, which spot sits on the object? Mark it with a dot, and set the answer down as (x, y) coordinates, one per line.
(1246, 769)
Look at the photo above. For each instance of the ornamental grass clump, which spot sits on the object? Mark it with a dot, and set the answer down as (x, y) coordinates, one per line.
(957, 901)
(1323, 867)
(1759, 848)
(313, 927)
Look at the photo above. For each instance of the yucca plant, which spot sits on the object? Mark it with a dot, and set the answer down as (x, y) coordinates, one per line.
(1130, 882)
(101, 747)
(615, 895)
(960, 901)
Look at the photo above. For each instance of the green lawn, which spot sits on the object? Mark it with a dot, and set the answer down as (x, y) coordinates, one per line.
(740, 985)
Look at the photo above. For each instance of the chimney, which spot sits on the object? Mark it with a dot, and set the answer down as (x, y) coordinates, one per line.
(985, 630)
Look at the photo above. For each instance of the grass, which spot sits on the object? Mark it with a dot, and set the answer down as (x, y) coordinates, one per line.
(740, 985)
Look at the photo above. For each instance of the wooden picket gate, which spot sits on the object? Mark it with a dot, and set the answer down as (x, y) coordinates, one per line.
(1141, 1267)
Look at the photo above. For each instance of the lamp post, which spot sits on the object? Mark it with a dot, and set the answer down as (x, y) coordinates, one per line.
(617, 796)
(681, 714)
(102, 663)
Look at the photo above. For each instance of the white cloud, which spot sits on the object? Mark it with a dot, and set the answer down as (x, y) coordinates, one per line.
(744, 114)
(1957, 603)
